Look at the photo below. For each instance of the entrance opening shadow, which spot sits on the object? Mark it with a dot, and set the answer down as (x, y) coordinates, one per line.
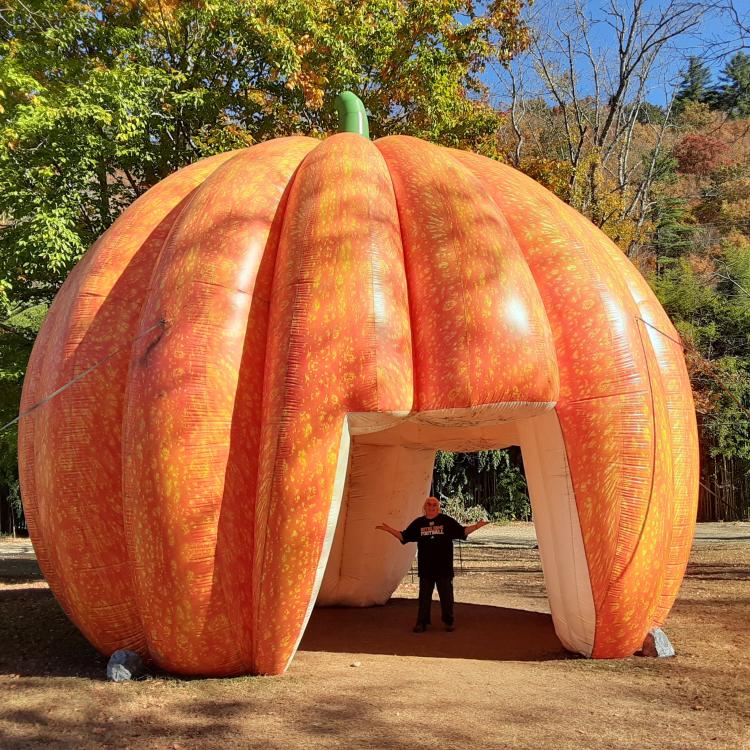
(482, 632)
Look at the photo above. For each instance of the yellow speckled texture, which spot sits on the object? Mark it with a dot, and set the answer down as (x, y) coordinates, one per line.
(178, 496)
(70, 450)
(339, 341)
(625, 408)
(481, 335)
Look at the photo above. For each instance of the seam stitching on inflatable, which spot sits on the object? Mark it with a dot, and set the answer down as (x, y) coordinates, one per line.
(409, 300)
(653, 472)
(467, 338)
(255, 601)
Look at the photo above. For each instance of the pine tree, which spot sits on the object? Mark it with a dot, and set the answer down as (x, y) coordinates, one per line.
(695, 85)
(673, 236)
(674, 233)
(734, 89)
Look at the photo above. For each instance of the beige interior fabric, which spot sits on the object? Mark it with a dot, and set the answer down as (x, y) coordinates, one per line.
(558, 531)
(365, 566)
(386, 476)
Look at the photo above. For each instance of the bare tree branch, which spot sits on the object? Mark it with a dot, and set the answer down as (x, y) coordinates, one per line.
(598, 80)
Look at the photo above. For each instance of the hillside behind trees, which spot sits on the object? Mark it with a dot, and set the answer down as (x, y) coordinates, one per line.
(670, 184)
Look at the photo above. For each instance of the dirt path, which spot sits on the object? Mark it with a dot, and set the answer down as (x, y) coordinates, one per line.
(501, 680)
(522, 535)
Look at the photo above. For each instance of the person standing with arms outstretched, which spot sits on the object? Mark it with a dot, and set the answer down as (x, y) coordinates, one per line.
(434, 533)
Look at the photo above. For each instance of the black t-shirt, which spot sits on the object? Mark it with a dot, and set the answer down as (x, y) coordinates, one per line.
(434, 540)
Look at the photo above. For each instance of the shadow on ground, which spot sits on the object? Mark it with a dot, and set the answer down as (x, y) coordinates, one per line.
(482, 632)
(717, 572)
(312, 717)
(19, 569)
(39, 640)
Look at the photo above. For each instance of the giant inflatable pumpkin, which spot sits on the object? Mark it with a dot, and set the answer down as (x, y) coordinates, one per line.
(289, 332)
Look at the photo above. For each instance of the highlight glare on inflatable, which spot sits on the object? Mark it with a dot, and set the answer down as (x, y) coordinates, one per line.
(333, 312)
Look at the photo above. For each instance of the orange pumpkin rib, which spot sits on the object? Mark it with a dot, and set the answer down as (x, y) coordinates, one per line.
(481, 335)
(643, 536)
(338, 342)
(685, 461)
(75, 498)
(606, 406)
(190, 436)
(29, 458)
(668, 365)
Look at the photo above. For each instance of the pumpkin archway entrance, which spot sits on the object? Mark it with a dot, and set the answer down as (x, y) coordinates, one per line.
(387, 476)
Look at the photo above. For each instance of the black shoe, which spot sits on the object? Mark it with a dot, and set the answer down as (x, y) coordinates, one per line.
(450, 628)
(420, 627)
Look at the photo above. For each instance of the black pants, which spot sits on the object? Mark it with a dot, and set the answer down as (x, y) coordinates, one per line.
(445, 592)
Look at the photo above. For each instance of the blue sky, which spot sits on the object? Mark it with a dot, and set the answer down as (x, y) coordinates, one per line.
(715, 40)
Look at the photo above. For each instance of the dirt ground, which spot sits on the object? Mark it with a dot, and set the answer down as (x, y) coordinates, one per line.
(362, 679)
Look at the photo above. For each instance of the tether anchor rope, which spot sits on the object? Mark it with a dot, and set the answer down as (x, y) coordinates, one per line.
(163, 323)
(695, 351)
(81, 375)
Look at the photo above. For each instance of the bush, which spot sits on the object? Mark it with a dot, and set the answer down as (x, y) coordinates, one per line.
(492, 481)
(456, 508)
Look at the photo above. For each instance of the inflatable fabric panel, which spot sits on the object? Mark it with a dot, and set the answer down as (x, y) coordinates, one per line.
(290, 332)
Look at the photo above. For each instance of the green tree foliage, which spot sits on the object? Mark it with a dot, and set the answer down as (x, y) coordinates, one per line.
(710, 302)
(695, 85)
(492, 481)
(702, 275)
(16, 339)
(673, 230)
(733, 92)
(648, 113)
(101, 100)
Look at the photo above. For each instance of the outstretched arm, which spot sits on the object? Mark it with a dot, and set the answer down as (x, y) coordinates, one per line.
(478, 525)
(394, 532)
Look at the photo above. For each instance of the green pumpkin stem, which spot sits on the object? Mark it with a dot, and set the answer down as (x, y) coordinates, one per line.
(352, 115)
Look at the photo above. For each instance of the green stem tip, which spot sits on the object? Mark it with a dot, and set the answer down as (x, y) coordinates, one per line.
(352, 115)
